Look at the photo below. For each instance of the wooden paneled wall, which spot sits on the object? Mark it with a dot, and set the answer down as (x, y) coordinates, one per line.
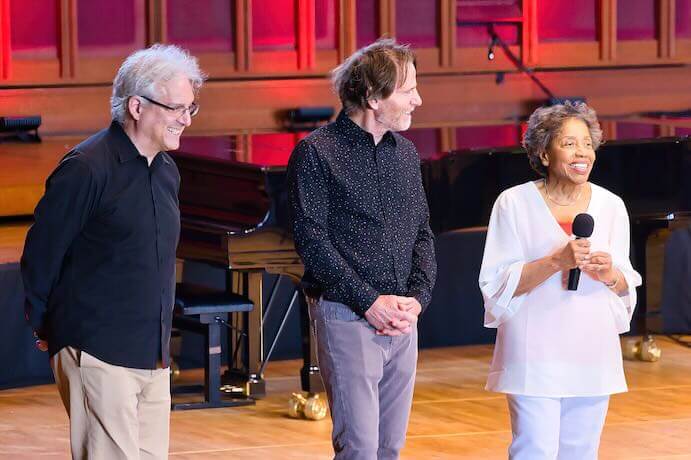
(250, 87)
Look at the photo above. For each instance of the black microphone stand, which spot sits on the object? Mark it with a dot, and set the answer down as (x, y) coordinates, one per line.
(496, 39)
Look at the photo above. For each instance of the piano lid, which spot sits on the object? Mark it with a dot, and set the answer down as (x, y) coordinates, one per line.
(232, 196)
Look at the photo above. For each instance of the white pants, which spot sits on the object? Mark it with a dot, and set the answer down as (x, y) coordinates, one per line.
(556, 428)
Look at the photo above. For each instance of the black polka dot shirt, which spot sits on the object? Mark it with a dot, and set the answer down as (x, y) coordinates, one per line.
(360, 216)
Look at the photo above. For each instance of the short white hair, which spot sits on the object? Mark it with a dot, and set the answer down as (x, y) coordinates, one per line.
(143, 70)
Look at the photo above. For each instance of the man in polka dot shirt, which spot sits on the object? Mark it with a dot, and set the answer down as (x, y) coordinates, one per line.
(361, 227)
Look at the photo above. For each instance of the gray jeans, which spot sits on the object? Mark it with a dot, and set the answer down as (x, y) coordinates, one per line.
(369, 380)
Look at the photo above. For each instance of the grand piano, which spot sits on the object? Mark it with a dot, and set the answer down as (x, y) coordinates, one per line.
(235, 216)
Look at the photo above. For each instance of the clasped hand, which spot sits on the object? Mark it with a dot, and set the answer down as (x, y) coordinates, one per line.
(41, 344)
(597, 265)
(393, 315)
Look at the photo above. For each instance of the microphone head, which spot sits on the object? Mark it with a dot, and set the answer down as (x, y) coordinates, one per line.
(583, 225)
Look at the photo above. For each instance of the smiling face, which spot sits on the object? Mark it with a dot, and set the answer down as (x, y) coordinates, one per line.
(570, 156)
(159, 127)
(395, 112)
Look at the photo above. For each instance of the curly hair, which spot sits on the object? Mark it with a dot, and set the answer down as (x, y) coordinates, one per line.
(545, 124)
(143, 70)
(374, 71)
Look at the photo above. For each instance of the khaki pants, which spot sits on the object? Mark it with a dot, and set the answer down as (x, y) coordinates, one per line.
(115, 412)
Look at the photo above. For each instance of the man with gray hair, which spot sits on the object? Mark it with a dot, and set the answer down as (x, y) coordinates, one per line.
(99, 262)
(361, 226)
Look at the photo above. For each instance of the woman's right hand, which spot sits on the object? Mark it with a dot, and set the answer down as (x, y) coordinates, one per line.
(575, 253)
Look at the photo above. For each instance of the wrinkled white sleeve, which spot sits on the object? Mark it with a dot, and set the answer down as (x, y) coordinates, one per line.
(502, 264)
(622, 306)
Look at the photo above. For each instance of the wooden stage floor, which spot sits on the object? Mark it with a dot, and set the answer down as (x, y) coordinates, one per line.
(452, 417)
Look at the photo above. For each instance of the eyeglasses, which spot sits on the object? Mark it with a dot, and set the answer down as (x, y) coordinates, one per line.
(178, 110)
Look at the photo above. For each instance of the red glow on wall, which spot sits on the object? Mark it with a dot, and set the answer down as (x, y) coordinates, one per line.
(110, 28)
(326, 29)
(426, 141)
(5, 60)
(210, 146)
(417, 23)
(34, 27)
(636, 130)
(474, 10)
(566, 20)
(273, 25)
(636, 20)
(478, 137)
(683, 18)
(203, 25)
(366, 22)
(272, 149)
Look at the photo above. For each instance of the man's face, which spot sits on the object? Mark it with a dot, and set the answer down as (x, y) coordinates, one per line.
(395, 112)
(161, 127)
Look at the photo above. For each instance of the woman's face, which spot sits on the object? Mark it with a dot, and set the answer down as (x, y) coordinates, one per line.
(570, 156)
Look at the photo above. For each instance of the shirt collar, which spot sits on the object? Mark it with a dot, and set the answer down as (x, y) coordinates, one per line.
(124, 147)
(121, 143)
(355, 133)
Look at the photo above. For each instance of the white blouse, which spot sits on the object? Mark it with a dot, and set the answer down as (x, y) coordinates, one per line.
(552, 342)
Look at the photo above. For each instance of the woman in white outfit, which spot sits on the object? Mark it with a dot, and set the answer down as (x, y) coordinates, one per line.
(557, 354)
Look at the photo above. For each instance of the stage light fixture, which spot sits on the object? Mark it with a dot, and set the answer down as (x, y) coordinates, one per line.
(307, 118)
(20, 129)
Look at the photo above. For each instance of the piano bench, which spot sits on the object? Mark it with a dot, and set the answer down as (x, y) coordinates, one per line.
(203, 310)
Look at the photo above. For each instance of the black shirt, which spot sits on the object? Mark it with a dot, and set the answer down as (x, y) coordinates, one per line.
(99, 261)
(360, 216)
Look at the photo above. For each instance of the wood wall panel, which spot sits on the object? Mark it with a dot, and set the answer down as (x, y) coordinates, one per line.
(230, 107)
(5, 50)
(250, 88)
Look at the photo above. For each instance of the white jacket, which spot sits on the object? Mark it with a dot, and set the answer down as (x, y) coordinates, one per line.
(552, 342)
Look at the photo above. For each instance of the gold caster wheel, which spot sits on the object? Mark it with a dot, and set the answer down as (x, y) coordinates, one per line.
(174, 371)
(650, 351)
(645, 349)
(631, 348)
(312, 407)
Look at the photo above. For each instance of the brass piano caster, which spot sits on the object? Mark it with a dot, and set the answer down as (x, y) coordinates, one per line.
(630, 349)
(312, 407)
(174, 371)
(645, 349)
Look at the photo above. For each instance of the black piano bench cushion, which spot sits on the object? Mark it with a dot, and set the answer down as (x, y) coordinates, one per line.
(191, 299)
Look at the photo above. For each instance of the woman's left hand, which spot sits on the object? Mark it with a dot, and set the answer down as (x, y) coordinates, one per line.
(599, 267)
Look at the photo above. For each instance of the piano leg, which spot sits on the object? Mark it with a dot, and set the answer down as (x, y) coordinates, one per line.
(640, 235)
(256, 386)
(310, 378)
(244, 362)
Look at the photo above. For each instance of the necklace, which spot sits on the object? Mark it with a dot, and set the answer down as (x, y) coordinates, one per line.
(558, 203)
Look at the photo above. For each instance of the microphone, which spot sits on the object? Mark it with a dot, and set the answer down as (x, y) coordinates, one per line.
(582, 227)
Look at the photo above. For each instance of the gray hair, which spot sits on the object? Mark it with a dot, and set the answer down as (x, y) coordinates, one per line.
(143, 70)
(545, 124)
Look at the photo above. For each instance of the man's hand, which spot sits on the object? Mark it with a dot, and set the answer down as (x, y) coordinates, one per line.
(42, 345)
(410, 304)
(393, 315)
